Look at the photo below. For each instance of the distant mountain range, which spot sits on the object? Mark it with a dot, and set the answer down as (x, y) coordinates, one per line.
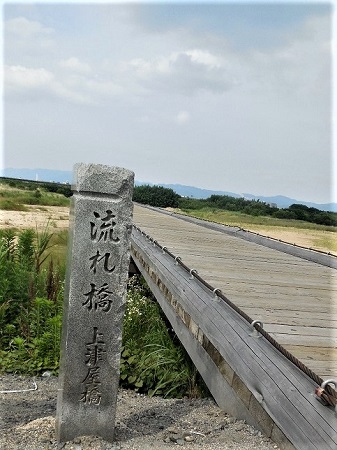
(62, 176)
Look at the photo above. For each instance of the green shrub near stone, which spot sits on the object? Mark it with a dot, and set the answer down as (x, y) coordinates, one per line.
(153, 361)
(31, 292)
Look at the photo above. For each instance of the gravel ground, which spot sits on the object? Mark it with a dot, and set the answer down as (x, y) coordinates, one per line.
(27, 422)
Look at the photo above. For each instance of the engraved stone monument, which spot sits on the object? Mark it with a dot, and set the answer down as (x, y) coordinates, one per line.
(95, 295)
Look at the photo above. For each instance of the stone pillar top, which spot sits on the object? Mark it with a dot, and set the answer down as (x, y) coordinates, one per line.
(98, 178)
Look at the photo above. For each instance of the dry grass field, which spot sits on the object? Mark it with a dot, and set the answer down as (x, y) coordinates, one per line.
(322, 240)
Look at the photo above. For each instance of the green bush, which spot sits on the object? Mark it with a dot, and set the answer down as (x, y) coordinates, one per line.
(153, 360)
(156, 196)
(37, 345)
(30, 303)
(11, 205)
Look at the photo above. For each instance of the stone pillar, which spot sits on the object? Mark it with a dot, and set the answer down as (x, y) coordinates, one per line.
(95, 295)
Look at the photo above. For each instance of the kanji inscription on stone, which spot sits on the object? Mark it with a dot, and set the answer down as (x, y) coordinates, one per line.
(95, 293)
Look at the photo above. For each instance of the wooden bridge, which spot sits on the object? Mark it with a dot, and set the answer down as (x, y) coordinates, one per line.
(213, 282)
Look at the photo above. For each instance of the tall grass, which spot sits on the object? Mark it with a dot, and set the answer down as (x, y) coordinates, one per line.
(30, 303)
(153, 360)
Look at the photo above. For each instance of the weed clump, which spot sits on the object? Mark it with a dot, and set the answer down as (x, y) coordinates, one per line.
(31, 292)
(153, 360)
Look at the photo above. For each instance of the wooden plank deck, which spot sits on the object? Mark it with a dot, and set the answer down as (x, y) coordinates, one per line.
(294, 298)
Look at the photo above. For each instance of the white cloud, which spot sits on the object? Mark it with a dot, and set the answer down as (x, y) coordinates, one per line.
(37, 83)
(103, 88)
(28, 41)
(75, 65)
(186, 72)
(146, 69)
(23, 78)
(182, 117)
(25, 82)
(204, 57)
(25, 29)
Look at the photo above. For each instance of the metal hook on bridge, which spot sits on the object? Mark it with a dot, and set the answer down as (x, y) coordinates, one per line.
(330, 381)
(192, 271)
(255, 332)
(215, 292)
(325, 398)
(177, 259)
(164, 248)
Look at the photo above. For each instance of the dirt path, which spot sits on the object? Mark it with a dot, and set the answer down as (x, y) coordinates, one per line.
(57, 217)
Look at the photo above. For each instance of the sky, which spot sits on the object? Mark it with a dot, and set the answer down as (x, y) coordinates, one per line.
(224, 96)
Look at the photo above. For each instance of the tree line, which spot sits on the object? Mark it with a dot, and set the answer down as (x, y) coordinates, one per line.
(30, 185)
(164, 197)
